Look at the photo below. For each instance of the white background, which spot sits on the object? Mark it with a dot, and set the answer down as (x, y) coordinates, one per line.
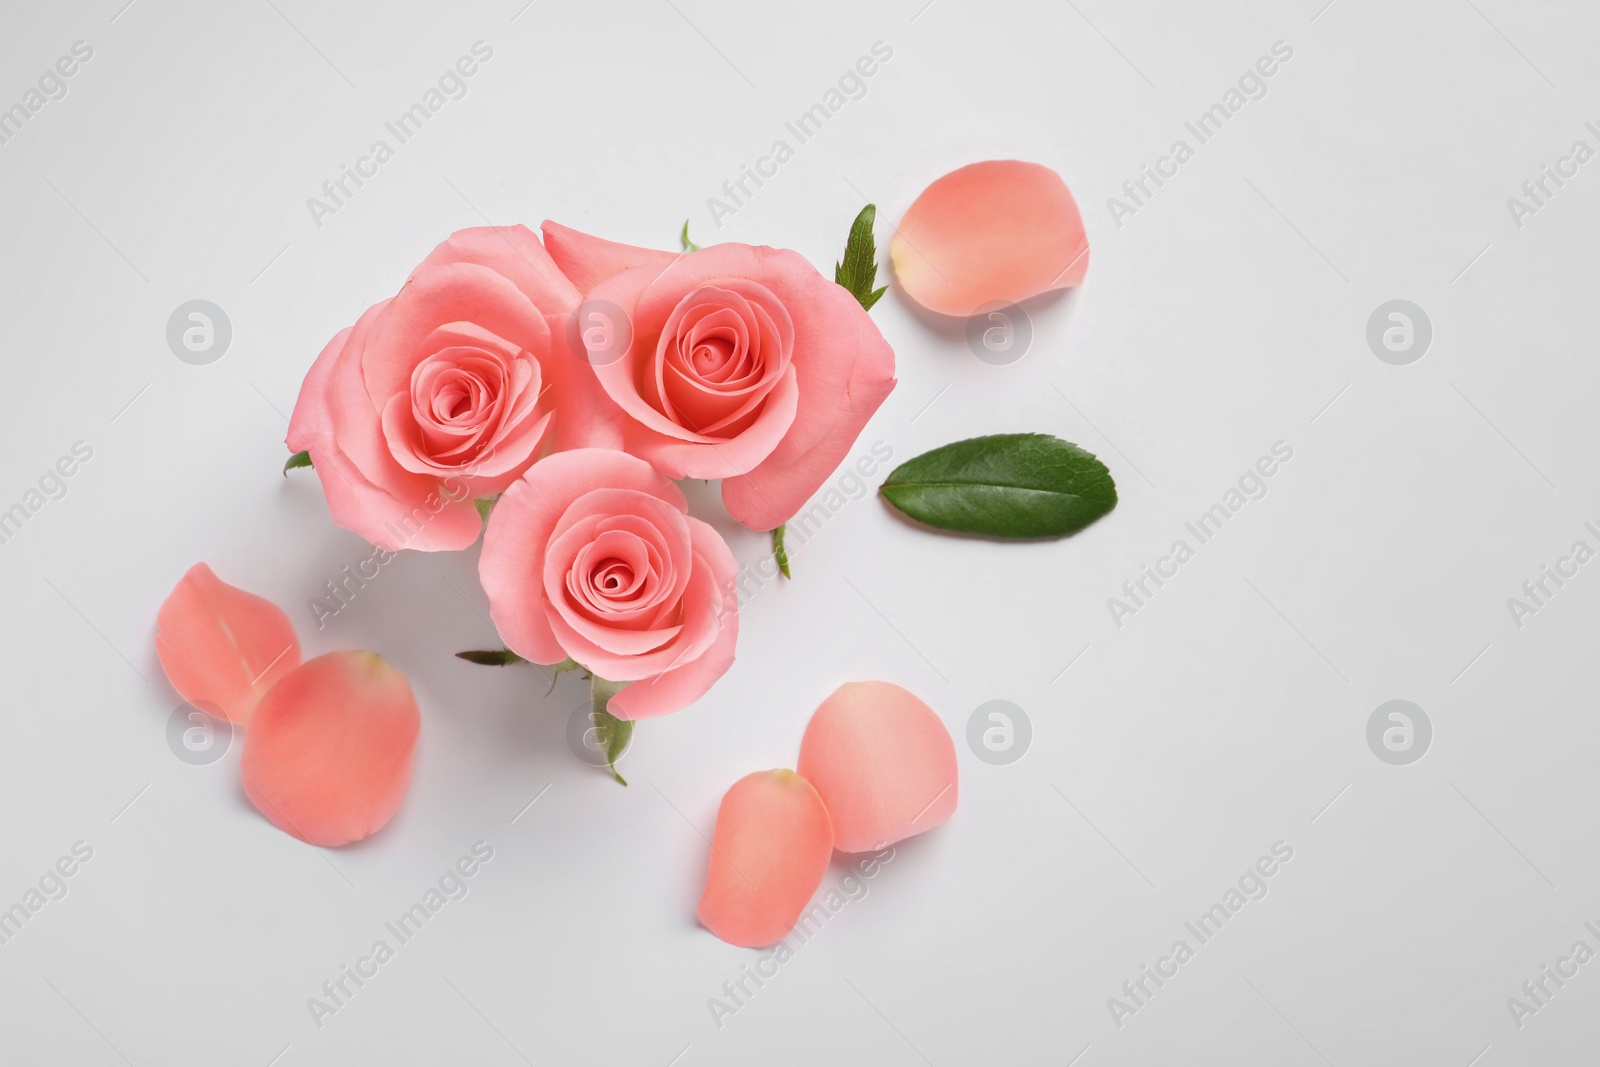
(1227, 314)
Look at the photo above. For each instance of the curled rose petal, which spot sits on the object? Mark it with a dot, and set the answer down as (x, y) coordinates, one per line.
(882, 761)
(221, 645)
(327, 758)
(768, 855)
(995, 232)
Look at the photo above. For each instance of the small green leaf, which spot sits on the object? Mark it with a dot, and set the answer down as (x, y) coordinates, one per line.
(688, 245)
(299, 459)
(612, 733)
(491, 657)
(1010, 485)
(778, 551)
(859, 269)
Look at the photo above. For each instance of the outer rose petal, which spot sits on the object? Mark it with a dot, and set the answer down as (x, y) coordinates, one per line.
(306, 425)
(386, 504)
(221, 645)
(515, 252)
(882, 761)
(676, 689)
(776, 490)
(589, 260)
(768, 855)
(327, 758)
(997, 231)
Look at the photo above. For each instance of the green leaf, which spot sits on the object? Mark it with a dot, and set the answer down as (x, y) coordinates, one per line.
(1010, 485)
(859, 269)
(491, 657)
(612, 733)
(778, 551)
(299, 459)
(688, 245)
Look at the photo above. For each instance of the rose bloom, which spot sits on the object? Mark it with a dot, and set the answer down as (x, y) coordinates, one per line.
(735, 362)
(592, 556)
(447, 392)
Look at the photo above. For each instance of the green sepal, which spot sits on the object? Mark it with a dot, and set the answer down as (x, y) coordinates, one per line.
(485, 505)
(778, 551)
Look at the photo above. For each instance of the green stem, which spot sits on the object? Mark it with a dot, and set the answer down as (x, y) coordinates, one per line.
(612, 733)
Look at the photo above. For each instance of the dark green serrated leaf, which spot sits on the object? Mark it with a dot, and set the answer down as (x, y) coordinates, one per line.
(612, 733)
(491, 657)
(688, 245)
(299, 459)
(859, 269)
(1016, 486)
(778, 551)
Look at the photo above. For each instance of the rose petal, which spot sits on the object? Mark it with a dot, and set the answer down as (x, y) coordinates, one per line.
(515, 252)
(776, 490)
(681, 686)
(327, 758)
(522, 523)
(590, 260)
(222, 645)
(883, 762)
(993, 232)
(768, 855)
(367, 491)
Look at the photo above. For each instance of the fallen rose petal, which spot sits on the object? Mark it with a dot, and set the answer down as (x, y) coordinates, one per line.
(882, 761)
(221, 645)
(995, 232)
(768, 855)
(327, 758)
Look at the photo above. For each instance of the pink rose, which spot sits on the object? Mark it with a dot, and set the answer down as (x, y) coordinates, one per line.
(735, 362)
(448, 392)
(592, 556)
